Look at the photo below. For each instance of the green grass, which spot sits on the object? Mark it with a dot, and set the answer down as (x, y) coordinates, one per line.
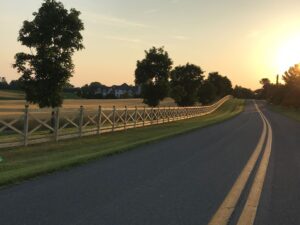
(27, 162)
(292, 113)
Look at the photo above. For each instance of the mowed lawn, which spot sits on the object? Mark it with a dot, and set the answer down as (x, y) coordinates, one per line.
(26, 162)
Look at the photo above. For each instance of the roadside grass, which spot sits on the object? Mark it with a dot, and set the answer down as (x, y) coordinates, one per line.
(22, 163)
(290, 112)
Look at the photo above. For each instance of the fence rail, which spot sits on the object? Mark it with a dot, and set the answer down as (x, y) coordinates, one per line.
(22, 127)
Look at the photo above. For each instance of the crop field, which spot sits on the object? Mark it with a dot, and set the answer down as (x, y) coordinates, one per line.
(11, 95)
(11, 99)
(76, 103)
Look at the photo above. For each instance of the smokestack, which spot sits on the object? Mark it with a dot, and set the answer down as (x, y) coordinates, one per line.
(277, 80)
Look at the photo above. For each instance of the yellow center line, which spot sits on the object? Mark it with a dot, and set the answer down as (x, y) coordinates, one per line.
(248, 214)
(223, 214)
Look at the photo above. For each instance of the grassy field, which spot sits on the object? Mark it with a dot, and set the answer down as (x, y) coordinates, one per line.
(19, 95)
(9, 100)
(26, 162)
(11, 95)
(289, 112)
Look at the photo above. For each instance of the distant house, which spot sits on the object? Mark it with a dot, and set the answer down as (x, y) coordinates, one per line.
(119, 90)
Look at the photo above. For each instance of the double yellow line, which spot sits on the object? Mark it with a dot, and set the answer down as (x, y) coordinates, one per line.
(247, 217)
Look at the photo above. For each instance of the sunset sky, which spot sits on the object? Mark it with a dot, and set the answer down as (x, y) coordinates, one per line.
(244, 40)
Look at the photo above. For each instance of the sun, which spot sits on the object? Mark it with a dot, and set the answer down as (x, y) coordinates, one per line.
(288, 54)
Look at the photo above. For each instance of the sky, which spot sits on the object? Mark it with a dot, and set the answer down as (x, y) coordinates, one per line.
(244, 40)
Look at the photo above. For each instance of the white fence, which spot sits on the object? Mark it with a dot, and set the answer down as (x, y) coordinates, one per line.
(21, 127)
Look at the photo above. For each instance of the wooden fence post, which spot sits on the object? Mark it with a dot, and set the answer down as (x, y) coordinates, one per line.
(26, 125)
(99, 120)
(125, 119)
(80, 120)
(173, 114)
(114, 118)
(157, 114)
(135, 116)
(56, 125)
(151, 117)
(144, 116)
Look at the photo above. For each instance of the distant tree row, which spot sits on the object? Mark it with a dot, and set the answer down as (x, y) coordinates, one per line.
(13, 85)
(185, 84)
(96, 90)
(287, 94)
(243, 93)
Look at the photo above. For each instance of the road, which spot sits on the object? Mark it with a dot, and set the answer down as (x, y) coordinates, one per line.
(243, 171)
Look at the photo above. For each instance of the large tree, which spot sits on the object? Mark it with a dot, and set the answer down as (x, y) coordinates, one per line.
(207, 92)
(292, 76)
(222, 84)
(185, 83)
(52, 37)
(266, 90)
(153, 73)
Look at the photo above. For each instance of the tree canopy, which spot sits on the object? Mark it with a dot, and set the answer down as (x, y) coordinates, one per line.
(207, 92)
(185, 83)
(222, 84)
(287, 94)
(243, 93)
(52, 36)
(292, 76)
(153, 73)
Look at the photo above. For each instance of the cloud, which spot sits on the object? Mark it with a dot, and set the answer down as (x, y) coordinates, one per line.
(151, 11)
(124, 39)
(113, 21)
(180, 37)
(174, 1)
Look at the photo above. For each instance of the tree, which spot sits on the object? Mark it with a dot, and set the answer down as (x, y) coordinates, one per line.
(153, 73)
(243, 93)
(185, 83)
(207, 92)
(3, 83)
(292, 76)
(15, 85)
(265, 81)
(222, 84)
(91, 91)
(53, 36)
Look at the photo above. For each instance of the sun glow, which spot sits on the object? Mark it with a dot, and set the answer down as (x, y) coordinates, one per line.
(288, 54)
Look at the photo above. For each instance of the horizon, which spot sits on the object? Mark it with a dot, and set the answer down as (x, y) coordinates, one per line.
(244, 41)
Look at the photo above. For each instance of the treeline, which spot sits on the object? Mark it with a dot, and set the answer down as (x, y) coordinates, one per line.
(96, 90)
(186, 84)
(287, 94)
(13, 85)
(18, 86)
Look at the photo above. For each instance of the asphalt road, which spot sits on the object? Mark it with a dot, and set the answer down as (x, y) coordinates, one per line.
(181, 180)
